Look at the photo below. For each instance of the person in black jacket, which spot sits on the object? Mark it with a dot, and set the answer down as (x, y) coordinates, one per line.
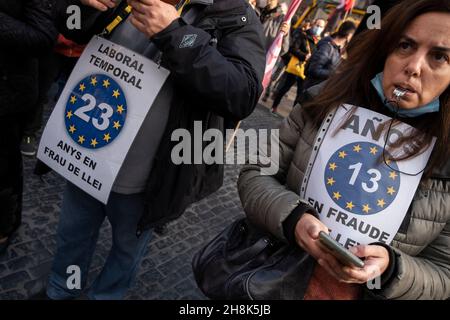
(328, 54)
(302, 46)
(26, 30)
(215, 80)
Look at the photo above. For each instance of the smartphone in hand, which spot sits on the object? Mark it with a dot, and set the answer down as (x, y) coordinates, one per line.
(342, 254)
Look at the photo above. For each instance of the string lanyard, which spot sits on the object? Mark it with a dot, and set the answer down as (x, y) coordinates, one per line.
(122, 16)
(180, 9)
(387, 161)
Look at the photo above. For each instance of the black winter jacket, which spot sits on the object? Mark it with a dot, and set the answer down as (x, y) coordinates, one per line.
(301, 44)
(322, 62)
(217, 81)
(26, 30)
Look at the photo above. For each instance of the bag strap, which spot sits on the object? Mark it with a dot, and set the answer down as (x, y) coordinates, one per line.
(249, 253)
(191, 15)
(124, 12)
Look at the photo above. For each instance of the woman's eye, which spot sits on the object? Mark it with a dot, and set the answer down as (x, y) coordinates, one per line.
(441, 57)
(404, 46)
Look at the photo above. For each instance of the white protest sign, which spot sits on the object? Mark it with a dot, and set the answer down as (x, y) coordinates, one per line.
(358, 196)
(98, 115)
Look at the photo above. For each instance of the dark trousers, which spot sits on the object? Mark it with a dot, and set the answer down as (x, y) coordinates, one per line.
(11, 183)
(51, 67)
(289, 81)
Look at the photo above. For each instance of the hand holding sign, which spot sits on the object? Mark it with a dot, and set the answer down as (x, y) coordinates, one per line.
(152, 16)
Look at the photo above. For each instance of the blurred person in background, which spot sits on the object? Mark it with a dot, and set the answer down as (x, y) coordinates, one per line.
(26, 31)
(303, 44)
(54, 65)
(272, 17)
(325, 59)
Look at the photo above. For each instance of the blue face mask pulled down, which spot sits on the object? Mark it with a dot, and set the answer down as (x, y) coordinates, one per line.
(433, 106)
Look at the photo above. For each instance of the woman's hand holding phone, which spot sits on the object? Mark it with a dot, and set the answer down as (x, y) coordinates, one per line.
(376, 258)
(376, 261)
(307, 235)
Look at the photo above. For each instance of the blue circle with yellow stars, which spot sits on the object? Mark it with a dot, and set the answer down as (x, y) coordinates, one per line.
(358, 180)
(95, 111)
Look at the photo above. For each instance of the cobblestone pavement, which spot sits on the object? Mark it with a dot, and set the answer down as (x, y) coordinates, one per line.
(165, 272)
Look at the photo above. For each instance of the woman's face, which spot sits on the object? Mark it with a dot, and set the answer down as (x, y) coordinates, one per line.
(421, 61)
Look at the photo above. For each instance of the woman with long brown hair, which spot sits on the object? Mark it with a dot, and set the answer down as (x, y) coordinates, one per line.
(401, 71)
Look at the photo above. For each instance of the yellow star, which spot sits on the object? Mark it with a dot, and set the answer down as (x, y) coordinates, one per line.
(357, 148)
(342, 154)
(82, 87)
(116, 93)
(336, 195)
(106, 83)
(94, 142)
(72, 129)
(120, 109)
(73, 99)
(69, 114)
(391, 191)
(366, 208)
(117, 125)
(393, 175)
(94, 81)
(333, 166)
(106, 137)
(388, 161)
(381, 203)
(373, 150)
(350, 205)
(81, 139)
(331, 181)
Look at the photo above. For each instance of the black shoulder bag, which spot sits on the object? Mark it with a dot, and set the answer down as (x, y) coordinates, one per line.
(243, 262)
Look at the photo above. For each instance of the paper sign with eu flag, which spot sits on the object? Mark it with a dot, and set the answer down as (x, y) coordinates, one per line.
(362, 193)
(98, 115)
